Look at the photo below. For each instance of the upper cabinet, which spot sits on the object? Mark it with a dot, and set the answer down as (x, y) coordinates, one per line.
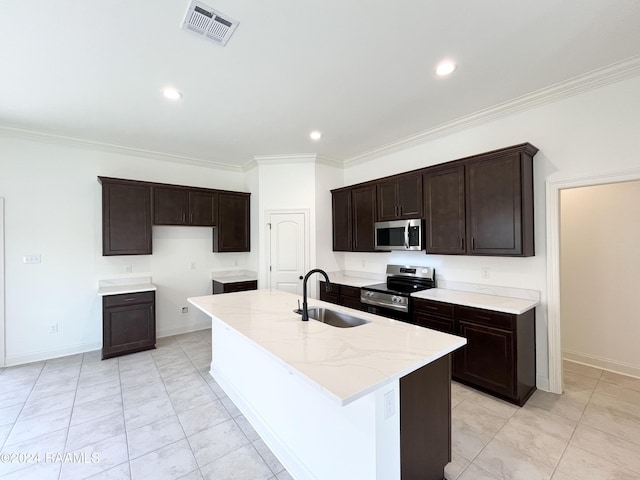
(232, 232)
(126, 217)
(499, 194)
(354, 217)
(184, 206)
(480, 205)
(400, 197)
(444, 209)
(131, 207)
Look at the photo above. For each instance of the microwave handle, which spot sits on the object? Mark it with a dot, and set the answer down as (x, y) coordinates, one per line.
(406, 236)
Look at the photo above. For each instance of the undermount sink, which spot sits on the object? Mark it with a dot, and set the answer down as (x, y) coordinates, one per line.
(334, 318)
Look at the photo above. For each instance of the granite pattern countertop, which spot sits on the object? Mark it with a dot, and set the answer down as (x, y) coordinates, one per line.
(344, 363)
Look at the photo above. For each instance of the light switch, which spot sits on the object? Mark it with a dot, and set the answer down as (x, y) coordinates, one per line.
(31, 259)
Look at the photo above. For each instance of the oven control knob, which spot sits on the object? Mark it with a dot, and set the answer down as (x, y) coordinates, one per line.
(396, 299)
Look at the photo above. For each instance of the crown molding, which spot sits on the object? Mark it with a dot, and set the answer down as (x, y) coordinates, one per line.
(288, 159)
(610, 74)
(35, 135)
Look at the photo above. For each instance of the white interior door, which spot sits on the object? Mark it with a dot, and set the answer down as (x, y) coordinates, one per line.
(289, 244)
(2, 335)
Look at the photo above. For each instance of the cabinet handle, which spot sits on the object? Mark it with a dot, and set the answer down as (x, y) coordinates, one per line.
(473, 243)
(184, 217)
(482, 317)
(191, 218)
(429, 307)
(131, 299)
(461, 243)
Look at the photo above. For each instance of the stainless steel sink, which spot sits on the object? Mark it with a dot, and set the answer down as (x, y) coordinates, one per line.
(334, 318)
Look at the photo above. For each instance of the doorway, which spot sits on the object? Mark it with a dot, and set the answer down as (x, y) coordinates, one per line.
(288, 249)
(553, 194)
(2, 325)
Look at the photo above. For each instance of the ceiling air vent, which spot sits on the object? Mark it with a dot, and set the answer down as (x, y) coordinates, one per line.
(209, 23)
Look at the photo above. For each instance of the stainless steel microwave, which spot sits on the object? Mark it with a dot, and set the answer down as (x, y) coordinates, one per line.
(399, 235)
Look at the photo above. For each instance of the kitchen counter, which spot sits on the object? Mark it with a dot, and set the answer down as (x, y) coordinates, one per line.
(354, 281)
(120, 286)
(334, 403)
(234, 276)
(343, 363)
(497, 303)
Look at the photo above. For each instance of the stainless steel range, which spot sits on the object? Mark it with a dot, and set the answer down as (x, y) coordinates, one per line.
(391, 299)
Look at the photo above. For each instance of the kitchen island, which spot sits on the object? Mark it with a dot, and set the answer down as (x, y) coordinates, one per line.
(372, 401)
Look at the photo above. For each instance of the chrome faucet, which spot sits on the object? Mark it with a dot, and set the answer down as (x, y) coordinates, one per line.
(305, 313)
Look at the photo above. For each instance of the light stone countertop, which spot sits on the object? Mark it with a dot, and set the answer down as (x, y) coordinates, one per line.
(119, 286)
(234, 276)
(496, 303)
(342, 279)
(344, 363)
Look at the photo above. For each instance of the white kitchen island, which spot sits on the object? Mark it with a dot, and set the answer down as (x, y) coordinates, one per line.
(367, 402)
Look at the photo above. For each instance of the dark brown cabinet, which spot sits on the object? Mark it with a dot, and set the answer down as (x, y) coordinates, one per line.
(128, 323)
(363, 201)
(444, 208)
(400, 198)
(229, 287)
(499, 193)
(344, 295)
(131, 207)
(341, 213)
(499, 357)
(232, 232)
(126, 217)
(182, 206)
(354, 217)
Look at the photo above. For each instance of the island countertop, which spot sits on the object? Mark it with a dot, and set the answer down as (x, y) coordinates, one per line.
(344, 363)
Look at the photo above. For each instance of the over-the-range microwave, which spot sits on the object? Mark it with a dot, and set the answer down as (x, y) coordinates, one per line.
(399, 235)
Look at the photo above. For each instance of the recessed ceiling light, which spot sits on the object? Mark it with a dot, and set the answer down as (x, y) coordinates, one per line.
(172, 93)
(445, 68)
(315, 135)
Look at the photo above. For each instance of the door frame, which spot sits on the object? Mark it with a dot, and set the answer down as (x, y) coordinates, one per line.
(2, 288)
(553, 188)
(307, 237)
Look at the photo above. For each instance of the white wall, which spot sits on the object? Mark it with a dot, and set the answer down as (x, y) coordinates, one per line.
(600, 261)
(53, 208)
(594, 133)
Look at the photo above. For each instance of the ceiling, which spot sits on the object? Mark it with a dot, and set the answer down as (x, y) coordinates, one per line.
(360, 71)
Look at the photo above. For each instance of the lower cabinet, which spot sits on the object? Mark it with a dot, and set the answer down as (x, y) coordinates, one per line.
(344, 295)
(499, 357)
(228, 287)
(128, 323)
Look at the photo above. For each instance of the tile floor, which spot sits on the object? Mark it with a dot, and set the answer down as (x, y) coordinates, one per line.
(159, 415)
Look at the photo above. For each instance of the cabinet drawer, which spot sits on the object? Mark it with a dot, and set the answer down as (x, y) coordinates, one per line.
(486, 317)
(434, 322)
(219, 287)
(348, 291)
(128, 299)
(429, 306)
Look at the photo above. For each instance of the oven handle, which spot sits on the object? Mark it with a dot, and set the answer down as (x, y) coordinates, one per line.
(384, 304)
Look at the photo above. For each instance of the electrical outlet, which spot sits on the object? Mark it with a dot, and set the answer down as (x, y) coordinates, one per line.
(193, 265)
(128, 269)
(53, 328)
(31, 259)
(184, 310)
(484, 272)
(389, 404)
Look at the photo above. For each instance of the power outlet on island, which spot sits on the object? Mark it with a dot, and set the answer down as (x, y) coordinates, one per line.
(484, 272)
(389, 404)
(184, 310)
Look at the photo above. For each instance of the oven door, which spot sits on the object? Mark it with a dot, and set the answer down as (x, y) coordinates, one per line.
(387, 312)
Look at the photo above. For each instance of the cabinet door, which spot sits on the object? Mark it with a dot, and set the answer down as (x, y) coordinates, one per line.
(444, 208)
(232, 232)
(128, 323)
(364, 218)
(203, 208)
(126, 218)
(488, 358)
(410, 196)
(494, 213)
(170, 206)
(400, 198)
(341, 220)
(333, 296)
(387, 196)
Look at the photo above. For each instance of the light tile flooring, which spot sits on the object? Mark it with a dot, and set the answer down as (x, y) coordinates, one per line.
(159, 415)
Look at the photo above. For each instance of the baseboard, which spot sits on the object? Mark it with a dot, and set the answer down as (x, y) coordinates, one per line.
(168, 332)
(602, 363)
(41, 355)
(13, 360)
